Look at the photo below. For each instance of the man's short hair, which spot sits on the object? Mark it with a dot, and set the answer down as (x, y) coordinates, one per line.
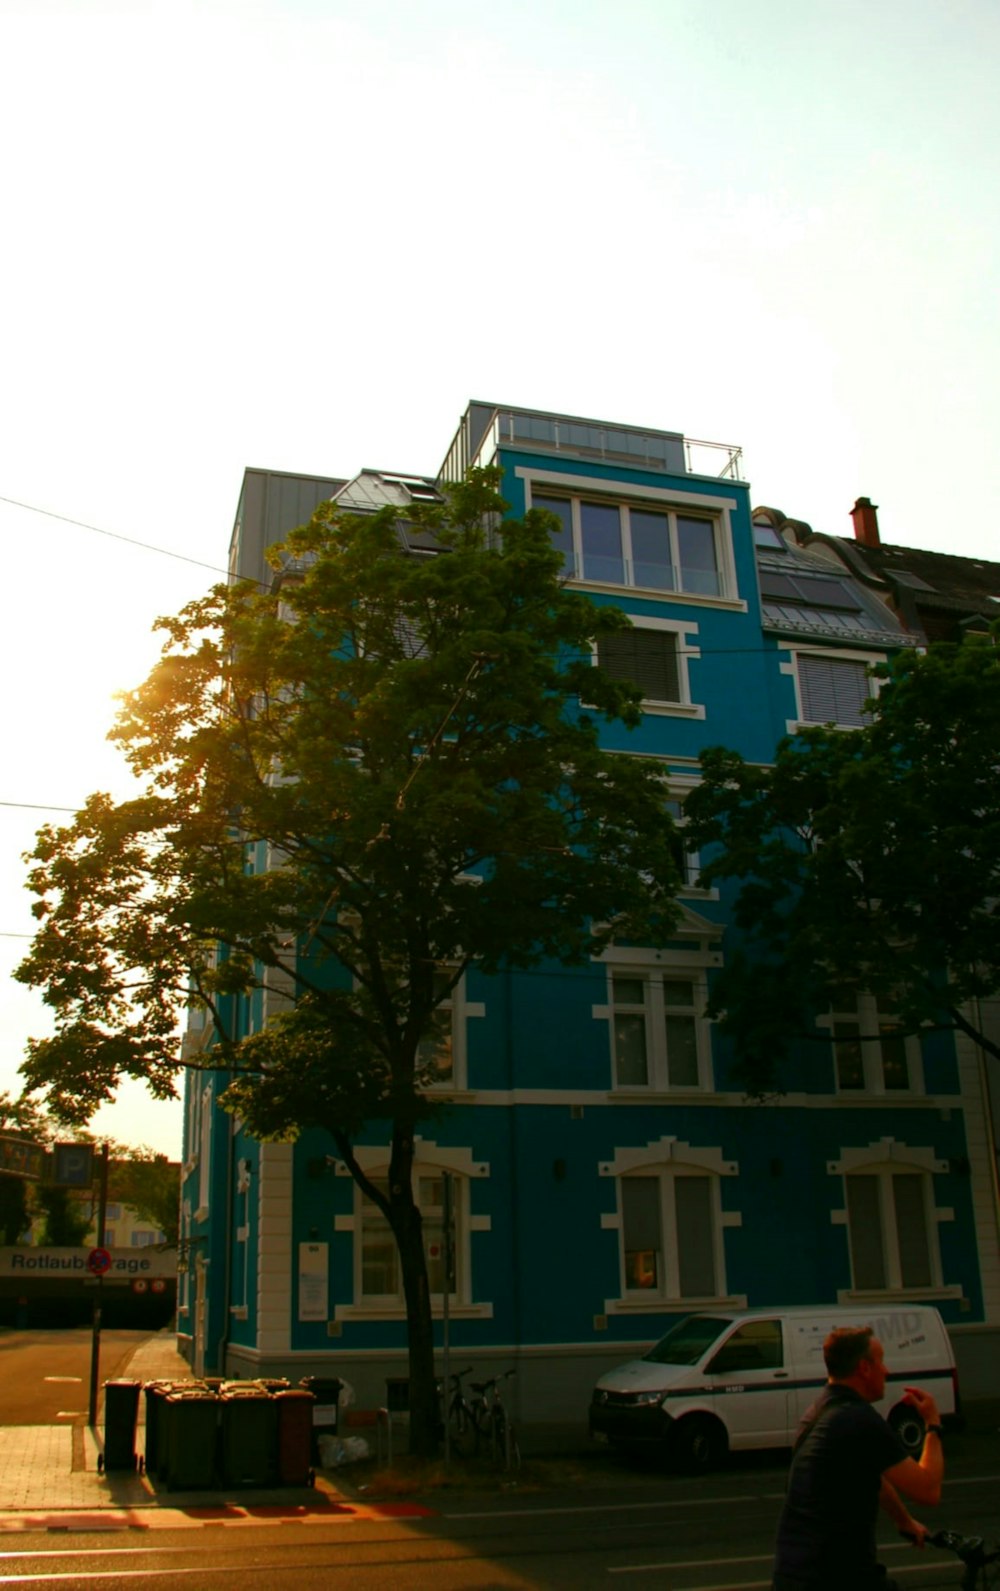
(845, 1348)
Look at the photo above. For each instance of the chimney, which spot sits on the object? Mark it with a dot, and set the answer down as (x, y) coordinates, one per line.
(865, 517)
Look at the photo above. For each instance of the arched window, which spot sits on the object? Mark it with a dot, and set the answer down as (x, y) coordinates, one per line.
(670, 1222)
(892, 1219)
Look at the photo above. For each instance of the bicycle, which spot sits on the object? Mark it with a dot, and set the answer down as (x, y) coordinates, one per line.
(493, 1422)
(458, 1411)
(980, 1557)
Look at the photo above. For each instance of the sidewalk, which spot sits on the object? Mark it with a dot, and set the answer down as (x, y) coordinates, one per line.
(46, 1469)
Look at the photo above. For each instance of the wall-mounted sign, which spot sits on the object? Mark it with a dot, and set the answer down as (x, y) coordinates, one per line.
(314, 1278)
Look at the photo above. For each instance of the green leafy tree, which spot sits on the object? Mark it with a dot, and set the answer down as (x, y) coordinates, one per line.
(355, 786)
(150, 1185)
(67, 1220)
(865, 859)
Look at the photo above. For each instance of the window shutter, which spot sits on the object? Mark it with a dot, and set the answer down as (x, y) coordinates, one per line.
(647, 658)
(865, 1217)
(911, 1230)
(695, 1247)
(834, 690)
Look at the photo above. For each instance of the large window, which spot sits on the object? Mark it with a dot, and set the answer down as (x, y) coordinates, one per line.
(669, 1226)
(871, 1053)
(890, 1233)
(658, 548)
(658, 1036)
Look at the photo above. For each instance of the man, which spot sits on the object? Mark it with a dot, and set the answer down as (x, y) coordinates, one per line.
(848, 1462)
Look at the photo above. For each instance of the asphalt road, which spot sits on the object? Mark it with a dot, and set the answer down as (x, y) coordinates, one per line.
(45, 1375)
(666, 1532)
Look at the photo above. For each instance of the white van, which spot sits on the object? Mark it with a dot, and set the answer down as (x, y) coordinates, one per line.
(743, 1379)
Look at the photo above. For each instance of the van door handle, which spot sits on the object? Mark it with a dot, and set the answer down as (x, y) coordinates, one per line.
(781, 1375)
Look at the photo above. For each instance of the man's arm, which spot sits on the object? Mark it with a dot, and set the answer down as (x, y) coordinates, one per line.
(921, 1479)
(893, 1506)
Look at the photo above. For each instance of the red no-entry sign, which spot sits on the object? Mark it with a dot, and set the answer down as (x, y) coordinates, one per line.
(98, 1261)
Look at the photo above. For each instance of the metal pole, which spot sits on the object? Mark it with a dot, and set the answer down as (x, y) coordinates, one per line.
(448, 1266)
(95, 1343)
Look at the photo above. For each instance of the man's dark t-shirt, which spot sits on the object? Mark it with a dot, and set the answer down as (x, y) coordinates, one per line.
(826, 1534)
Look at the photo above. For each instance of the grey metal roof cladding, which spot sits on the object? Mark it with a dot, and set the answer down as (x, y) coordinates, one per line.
(272, 502)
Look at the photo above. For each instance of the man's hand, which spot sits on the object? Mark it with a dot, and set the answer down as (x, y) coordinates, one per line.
(914, 1531)
(923, 1403)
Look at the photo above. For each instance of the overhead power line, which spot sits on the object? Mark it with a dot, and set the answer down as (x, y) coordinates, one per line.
(115, 535)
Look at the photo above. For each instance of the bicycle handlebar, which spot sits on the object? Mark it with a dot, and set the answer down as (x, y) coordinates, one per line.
(974, 1551)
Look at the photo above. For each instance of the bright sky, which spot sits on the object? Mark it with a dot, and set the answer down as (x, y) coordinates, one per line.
(301, 234)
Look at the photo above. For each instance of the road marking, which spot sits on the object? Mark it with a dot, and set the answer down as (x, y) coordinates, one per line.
(619, 1508)
(693, 1563)
(62, 1378)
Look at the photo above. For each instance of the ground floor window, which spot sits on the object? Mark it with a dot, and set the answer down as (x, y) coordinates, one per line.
(890, 1230)
(381, 1279)
(668, 1227)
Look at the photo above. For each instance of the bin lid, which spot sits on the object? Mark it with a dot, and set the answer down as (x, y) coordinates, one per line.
(321, 1384)
(245, 1394)
(192, 1395)
(123, 1381)
(288, 1393)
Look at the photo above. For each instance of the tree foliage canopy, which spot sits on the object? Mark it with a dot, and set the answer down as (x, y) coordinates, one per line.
(373, 769)
(867, 859)
(355, 784)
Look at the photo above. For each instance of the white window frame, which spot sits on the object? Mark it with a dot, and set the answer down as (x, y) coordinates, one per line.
(430, 1160)
(686, 650)
(625, 495)
(460, 1010)
(204, 1153)
(667, 1160)
(677, 792)
(868, 1017)
(827, 654)
(884, 1160)
(655, 1008)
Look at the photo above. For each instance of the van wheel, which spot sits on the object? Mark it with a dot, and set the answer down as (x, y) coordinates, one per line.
(909, 1427)
(699, 1444)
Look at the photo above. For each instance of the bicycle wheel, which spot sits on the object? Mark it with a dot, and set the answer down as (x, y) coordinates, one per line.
(462, 1430)
(506, 1449)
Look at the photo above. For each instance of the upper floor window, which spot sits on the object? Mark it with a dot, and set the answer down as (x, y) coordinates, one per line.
(832, 690)
(625, 544)
(654, 654)
(658, 1036)
(871, 1052)
(442, 1052)
(647, 658)
(688, 861)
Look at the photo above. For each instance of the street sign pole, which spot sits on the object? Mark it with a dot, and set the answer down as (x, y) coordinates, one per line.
(448, 1266)
(95, 1343)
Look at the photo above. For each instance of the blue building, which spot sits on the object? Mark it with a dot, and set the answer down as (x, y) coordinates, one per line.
(608, 1174)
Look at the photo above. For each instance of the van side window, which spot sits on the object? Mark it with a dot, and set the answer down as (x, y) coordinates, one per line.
(755, 1346)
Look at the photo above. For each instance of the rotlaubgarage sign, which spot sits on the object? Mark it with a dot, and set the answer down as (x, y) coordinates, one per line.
(61, 1263)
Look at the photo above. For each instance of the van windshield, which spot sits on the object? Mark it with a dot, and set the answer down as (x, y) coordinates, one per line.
(685, 1343)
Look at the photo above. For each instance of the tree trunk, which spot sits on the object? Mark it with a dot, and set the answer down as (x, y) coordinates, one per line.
(407, 1227)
